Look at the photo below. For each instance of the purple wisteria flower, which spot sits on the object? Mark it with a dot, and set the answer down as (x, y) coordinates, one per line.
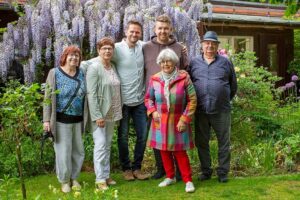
(50, 25)
(48, 51)
(186, 4)
(92, 36)
(26, 44)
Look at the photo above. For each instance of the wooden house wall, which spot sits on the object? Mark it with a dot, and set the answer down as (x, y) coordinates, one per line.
(7, 16)
(261, 38)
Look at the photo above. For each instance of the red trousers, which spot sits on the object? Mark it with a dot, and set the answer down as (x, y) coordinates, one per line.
(183, 164)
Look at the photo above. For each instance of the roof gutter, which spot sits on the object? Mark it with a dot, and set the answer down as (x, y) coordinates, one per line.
(247, 4)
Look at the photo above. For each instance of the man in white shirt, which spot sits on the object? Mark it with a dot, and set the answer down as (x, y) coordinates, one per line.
(129, 62)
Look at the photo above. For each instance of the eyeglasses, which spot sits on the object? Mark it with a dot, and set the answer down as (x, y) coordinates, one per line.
(106, 49)
(166, 62)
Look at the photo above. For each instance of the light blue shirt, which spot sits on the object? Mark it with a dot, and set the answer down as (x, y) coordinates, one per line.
(129, 63)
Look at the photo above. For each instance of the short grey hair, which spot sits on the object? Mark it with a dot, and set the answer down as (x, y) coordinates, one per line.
(167, 54)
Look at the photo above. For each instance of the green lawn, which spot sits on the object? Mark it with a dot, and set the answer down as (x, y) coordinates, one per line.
(272, 187)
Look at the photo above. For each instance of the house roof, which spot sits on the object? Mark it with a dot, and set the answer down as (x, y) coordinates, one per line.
(243, 13)
(7, 4)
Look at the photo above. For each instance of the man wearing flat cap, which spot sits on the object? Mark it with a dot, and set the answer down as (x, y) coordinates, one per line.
(215, 83)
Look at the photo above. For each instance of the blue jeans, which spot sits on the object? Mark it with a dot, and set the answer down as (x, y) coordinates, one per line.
(139, 118)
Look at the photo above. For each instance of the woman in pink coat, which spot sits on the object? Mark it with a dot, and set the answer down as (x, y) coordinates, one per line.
(171, 102)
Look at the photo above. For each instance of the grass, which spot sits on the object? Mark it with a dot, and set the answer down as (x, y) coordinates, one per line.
(273, 187)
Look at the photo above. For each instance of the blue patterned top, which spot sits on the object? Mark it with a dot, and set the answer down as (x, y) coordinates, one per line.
(72, 90)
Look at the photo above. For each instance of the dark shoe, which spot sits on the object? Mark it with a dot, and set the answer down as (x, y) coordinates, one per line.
(204, 177)
(159, 174)
(223, 178)
(140, 175)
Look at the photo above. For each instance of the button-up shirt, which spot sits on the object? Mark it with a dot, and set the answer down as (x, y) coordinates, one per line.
(215, 83)
(129, 63)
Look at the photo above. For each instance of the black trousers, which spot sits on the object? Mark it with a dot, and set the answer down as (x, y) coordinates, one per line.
(220, 123)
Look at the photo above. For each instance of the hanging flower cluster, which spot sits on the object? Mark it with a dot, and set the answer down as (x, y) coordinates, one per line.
(49, 26)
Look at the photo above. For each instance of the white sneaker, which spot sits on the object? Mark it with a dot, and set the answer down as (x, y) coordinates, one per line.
(189, 187)
(76, 185)
(166, 182)
(65, 187)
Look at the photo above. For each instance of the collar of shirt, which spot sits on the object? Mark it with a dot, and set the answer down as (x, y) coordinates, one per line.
(137, 44)
(203, 59)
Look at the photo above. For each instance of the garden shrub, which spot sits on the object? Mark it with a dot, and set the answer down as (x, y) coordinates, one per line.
(256, 99)
(288, 152)
(21, 130)
(31, 158)
(259, 120)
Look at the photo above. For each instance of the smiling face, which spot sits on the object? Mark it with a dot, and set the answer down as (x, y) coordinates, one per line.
(72, 59)
(106, 52)
(210, 48)
(133, 34)
(167, 66)
(163, 31)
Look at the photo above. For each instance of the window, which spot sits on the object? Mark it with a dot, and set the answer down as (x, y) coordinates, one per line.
(236, 43)
(272, 58)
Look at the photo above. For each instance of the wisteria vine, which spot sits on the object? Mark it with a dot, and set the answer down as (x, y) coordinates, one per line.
(49, 26)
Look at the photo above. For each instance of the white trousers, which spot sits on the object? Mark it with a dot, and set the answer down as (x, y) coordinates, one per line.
(102, 140)
(69, 151)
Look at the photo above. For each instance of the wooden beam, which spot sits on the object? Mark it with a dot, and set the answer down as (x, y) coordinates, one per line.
(246, 25)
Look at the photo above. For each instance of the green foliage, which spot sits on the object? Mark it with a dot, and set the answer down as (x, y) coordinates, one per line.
(19, 106)
(294, 65)
(271, 187)
(292, 5)
(259, 120)
(88, 146)
(84, 193)
(2, 30)
(19, 119)
(21, 127)
(18, 8)
(255, 103)
(288, 152)
(6, 188)
(254, 159)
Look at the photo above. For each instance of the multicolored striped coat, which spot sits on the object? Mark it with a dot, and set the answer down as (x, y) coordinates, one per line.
(183, 102)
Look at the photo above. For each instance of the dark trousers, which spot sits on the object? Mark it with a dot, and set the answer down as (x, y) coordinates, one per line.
(139, 118)
(220, 123)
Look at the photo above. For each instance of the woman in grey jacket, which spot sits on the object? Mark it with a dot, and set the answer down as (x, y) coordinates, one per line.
(64, 115)
(104, 100)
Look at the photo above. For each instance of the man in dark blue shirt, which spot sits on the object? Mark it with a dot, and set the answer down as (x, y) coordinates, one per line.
(215, 83)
